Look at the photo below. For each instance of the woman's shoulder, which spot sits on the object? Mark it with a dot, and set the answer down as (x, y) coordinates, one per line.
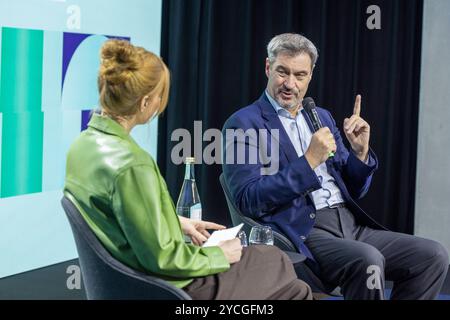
(111, 152)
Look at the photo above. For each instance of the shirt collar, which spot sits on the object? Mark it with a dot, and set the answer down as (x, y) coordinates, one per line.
(279, 109)
(107, 125)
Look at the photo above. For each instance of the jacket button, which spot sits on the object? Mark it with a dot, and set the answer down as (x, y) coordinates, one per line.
(312, 215)
(303, 238)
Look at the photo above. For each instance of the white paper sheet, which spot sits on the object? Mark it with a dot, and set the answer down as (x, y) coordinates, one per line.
(222, 235)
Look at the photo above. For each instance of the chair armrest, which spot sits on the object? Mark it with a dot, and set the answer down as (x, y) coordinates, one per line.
(283, 243)
(295, 256)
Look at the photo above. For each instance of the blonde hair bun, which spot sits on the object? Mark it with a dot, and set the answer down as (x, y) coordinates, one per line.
(118, 61)
(127, 74)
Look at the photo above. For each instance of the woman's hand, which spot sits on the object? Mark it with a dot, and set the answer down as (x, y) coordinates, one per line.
(196, 229)
(232, 249)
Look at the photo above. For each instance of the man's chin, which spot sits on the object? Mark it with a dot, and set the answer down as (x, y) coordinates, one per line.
(287, 104)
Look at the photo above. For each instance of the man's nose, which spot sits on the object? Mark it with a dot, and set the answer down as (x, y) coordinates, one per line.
(289, 83)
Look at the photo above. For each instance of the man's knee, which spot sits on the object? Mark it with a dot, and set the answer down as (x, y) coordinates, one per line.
(369, 258)
(439, 255)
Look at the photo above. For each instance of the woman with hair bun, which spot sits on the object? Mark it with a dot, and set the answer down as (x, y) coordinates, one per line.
(122, 196)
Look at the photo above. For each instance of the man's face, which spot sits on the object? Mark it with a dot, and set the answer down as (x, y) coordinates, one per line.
(289, 78)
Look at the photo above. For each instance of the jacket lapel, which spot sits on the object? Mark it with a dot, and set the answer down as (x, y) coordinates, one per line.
(272, 122)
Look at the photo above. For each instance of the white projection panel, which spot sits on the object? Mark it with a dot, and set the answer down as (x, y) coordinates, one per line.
(34, 231)
(432, 213)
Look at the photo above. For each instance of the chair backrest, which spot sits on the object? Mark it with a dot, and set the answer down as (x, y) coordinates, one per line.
(238, 217)
(105, 277)
(304, 272)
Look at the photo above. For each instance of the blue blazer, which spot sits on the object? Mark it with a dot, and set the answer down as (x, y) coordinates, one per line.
(282, 200)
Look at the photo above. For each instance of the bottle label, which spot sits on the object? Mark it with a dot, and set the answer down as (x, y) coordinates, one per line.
(196, 212)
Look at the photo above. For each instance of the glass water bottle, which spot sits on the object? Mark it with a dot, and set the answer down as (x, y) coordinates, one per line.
(189, 204)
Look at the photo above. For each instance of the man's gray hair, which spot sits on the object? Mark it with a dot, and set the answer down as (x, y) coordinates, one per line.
(291, 44)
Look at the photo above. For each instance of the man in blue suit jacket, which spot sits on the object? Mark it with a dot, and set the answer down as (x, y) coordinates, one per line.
(308, 190)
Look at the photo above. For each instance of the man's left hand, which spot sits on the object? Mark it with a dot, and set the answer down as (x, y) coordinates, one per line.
(357, 131)
(196, 229)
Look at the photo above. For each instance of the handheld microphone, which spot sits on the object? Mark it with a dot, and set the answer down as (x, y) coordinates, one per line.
(310, 107)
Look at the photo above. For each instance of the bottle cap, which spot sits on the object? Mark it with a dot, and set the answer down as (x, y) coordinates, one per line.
(190, 160)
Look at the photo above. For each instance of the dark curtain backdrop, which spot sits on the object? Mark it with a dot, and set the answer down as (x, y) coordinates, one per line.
(216, 52)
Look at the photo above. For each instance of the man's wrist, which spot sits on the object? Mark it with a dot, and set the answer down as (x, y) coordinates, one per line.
(362, 155)
(311, 161)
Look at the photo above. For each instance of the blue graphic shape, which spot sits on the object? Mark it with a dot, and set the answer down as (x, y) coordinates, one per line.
(80, 90)
(85, 117)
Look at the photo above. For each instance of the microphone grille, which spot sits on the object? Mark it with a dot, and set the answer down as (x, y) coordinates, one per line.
(308, 103)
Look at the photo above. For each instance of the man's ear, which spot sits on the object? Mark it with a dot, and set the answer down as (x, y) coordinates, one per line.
(267, 67)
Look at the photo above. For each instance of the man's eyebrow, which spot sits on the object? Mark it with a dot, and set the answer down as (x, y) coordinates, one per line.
(281, 67)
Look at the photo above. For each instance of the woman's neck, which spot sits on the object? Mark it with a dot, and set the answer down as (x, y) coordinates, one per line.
(127, 123)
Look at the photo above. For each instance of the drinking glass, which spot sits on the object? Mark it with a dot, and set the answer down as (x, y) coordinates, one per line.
(243, 237)
(261, 235)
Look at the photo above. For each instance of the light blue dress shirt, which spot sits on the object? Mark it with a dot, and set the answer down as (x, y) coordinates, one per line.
(300, 135)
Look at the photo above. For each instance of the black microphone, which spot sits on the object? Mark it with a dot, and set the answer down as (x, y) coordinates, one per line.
(310, 107)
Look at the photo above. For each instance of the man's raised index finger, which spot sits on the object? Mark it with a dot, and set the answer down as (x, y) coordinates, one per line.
(357, 107)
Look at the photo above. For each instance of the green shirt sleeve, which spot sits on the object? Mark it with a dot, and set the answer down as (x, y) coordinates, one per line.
(146, 214)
